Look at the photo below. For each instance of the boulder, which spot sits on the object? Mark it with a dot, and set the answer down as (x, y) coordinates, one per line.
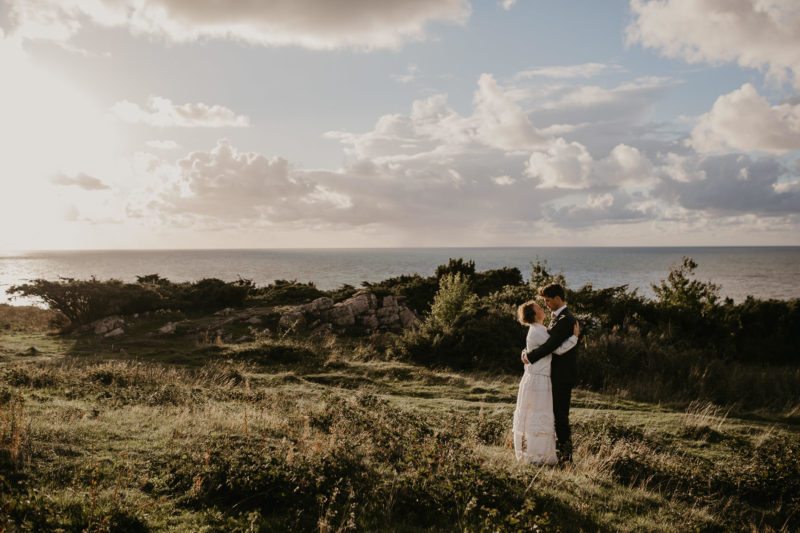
(361, 302)
(368, 320)
(323, 330)
(388, 316)
(254, 320)
(320, 304)
(407, 317)
(293, 320)
(115, 332)
(342, 315)
(168, 328)
(389, 301)
(109, 323)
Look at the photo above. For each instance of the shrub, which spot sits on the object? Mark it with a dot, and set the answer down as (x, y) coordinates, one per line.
(456, 266)
(287, 292)
(415, 291)
(491, 281)
(84, 301)
(463, 332)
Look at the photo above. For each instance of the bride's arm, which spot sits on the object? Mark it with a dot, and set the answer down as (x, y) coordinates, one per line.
(570, 343)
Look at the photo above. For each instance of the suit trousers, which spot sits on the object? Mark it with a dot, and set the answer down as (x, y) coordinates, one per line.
(562, 394)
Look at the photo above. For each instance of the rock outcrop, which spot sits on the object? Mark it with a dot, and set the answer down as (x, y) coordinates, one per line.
(361, 314)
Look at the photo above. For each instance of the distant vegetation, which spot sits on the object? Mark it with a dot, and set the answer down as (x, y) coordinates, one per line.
(686, 343)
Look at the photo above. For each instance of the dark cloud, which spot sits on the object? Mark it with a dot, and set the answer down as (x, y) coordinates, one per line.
(733, 184)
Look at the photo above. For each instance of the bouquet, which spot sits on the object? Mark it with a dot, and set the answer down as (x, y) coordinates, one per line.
(588, 324)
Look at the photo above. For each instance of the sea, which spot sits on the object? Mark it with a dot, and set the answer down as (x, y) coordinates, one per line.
(763, 272)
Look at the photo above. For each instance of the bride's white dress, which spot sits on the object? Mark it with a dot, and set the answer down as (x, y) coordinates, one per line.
(534, 426)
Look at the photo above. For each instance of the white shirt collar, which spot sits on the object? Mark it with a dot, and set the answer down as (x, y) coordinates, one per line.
(558, 311)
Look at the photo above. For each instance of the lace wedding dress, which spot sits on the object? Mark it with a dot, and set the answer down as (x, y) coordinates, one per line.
(534, 426)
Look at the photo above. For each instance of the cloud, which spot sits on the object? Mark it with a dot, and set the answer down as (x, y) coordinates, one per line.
(158, 144)
(601, 210)
(733, 184)
(315, 24)
(600, 117)
(225, 185)
(500, 120)
(434, 131)
(754, 33)
(412, 73)
(743, 120)
(586, 70)
(569, 165)
(508, 4)
(162, 113)
(82, 180)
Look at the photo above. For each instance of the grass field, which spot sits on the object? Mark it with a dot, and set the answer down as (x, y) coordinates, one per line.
(144, 433)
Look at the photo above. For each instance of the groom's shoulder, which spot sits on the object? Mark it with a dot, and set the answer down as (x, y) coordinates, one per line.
(566, 313)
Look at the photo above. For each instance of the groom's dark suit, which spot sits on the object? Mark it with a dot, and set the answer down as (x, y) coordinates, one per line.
(563, 376)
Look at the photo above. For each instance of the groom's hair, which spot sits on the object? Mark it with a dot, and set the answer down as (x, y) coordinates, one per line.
(526, 313)
(553, 290)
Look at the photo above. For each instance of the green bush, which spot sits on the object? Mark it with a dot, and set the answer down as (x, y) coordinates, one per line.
(463, 332)
(287, 292)
(83, 301)
(415, 291)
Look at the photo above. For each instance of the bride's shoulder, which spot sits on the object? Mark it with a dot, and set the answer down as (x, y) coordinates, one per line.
(536, 329)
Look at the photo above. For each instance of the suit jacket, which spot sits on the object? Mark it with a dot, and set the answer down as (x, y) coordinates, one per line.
(564, 367)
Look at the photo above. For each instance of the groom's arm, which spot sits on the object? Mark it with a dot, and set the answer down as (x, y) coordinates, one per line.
(560, 332)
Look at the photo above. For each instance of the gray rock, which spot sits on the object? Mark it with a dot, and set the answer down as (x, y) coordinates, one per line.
(342, 315)
(293, 320)
(168, 328)
(321, 304)
(407, 317)
(115, 332)
(389, 301)
(360, 302)
(368, 320)
(109, 323)
(253, 320)
(323, 330)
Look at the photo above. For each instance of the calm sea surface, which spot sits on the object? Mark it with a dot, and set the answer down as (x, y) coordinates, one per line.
(765, 272)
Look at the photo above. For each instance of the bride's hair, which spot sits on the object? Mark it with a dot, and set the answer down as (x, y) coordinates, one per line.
(526, 313)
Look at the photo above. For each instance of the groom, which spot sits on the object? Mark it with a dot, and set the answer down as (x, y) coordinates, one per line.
(563, 368)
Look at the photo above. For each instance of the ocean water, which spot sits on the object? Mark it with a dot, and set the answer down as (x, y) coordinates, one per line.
(764, 272)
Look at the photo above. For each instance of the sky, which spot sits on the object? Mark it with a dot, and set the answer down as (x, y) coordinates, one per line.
(160, 124)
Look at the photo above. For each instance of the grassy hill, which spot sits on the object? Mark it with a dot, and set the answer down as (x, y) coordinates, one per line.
(155, 433)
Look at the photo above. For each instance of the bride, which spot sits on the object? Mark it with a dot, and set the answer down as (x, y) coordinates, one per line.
(534, 429)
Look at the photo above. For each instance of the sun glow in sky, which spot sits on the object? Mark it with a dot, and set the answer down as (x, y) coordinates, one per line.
(174, 124)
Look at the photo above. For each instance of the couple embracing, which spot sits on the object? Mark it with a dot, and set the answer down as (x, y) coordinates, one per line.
(541, 419)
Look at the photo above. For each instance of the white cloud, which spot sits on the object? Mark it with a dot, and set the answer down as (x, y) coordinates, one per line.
(569, 165)
(754, 33)
(162, 113)
(503, 180)
(412, 73)
(165, 144)
(508, 4)
(227, 187)
(585, 70)
(433, 131)
(500, 120)
(316, 24)
(82, 180)
(744, 120)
